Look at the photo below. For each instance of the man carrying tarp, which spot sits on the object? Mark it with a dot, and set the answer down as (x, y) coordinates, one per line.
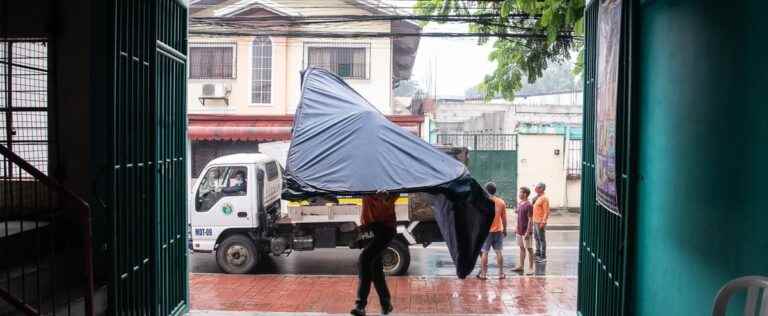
(333, 123)
(379, 218)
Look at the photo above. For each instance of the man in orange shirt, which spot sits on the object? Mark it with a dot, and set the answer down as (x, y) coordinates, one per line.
(378, 216)
(496, 235)
(540, 217)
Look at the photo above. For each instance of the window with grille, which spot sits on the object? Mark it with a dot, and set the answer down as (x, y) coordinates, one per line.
(261, 83)
(24, 103)
(347, 62)
(212, 61)
(574, 157)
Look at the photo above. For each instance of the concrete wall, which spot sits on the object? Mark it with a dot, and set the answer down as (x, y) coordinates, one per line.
(573, 193)
(507, 121)
(537, 162)
(700, 216)
(289, 57)
(568, 98)
(240, 98)
(377, 89)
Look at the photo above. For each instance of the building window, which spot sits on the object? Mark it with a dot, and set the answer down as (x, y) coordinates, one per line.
(212, 61)
(574, 158)
(24, 104)
(261, 83)
(347, 62)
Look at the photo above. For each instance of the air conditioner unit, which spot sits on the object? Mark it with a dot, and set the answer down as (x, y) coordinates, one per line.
(215, 91)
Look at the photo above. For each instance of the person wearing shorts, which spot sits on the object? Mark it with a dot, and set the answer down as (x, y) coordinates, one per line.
(524, 230)
(496, 234)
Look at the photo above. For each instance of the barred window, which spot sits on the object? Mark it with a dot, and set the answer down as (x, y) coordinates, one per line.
(347, 62)
(574, 157)
(261, 83)
(212, 61)
(24, 104)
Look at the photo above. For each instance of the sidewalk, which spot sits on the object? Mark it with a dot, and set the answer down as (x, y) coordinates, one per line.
(223, 294)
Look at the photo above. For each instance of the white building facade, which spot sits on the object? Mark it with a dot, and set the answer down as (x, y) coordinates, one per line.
(246, 59)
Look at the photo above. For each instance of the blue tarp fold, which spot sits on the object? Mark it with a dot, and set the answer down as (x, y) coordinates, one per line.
(342, 145)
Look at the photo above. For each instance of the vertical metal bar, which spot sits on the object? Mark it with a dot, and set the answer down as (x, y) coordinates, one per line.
(145, 241)
(9, 94)
(155, 14)
(53, 267)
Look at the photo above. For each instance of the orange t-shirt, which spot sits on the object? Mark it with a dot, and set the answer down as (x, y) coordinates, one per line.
(500, 213)
(379, 210)
(541, 209)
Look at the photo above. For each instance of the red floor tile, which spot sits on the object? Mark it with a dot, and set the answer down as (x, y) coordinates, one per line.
(417, 295)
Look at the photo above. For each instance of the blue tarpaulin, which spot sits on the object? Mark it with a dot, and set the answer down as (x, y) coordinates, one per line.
(342, 145)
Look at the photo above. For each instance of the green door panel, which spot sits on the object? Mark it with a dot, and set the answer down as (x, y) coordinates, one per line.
(498, 166)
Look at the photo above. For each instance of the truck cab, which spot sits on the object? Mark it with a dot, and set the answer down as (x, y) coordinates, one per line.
(234, 195)
(235, 213)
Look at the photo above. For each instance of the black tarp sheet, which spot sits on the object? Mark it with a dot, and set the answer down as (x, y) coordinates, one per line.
(342, 145)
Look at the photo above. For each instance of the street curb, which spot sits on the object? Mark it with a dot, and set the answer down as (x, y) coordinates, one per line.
(562, 227)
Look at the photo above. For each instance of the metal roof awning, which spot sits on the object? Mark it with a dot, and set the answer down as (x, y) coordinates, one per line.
(264, 128)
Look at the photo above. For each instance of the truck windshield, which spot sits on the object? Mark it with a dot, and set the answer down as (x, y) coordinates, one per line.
(220, 182)
(206, 193)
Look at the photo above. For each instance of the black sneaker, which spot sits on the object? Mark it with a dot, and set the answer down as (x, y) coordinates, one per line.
(357, 311)
(386, 309)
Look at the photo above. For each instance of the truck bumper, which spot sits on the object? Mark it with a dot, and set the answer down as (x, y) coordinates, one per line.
(205, 246)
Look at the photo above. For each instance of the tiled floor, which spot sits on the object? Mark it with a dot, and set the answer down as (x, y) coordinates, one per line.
(517, 295)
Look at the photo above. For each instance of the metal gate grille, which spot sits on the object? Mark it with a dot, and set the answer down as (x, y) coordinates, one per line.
(475, 141)
(24, 100)
(148, 192)
(133, 187)
(492, 158)
(170, 150)
(499, 167)
(602, 250)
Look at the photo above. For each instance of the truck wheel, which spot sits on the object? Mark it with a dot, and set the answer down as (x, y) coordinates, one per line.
(237, 255)
(396, 258)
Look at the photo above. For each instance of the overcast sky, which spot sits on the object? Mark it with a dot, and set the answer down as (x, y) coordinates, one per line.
(455, 64)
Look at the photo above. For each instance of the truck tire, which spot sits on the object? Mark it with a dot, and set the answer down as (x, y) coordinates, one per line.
(237, 254)
(396, 258)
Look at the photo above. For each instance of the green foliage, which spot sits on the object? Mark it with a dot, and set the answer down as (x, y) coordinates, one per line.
(532, 35)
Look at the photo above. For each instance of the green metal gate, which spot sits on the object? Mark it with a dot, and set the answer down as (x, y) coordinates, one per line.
(603, 237)
(492, 157)
(149, 175)
(499, 167)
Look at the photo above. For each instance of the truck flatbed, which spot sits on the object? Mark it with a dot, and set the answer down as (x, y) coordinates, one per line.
(347, 210)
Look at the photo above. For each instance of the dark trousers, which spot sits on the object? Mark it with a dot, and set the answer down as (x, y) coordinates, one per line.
(370, 266)
(540, 235)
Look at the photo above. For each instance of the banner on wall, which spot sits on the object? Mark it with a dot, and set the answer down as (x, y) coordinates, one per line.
(608, 42)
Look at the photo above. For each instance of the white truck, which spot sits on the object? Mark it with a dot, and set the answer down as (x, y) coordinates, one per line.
(236, 214)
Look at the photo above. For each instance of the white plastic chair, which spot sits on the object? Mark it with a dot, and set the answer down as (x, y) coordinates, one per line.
(753, 285)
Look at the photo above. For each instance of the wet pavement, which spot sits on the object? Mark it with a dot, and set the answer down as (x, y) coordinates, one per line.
(431, 261)
(323, 281)
(554, 295)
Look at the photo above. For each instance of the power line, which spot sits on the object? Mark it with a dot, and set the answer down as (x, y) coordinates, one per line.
(364, 34)
(363, 17)
(249, 27)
